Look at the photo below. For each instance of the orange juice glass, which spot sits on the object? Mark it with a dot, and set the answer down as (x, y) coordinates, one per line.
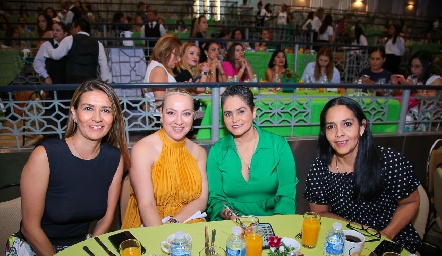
(321, 90)
(253, 244)
(130, 247)
(310, 229)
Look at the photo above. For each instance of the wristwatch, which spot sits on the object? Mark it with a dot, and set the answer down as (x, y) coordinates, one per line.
(173, 221)
(204, 72)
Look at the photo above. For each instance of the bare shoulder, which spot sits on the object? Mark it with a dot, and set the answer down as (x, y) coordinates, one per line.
(149, 145)
(196, 150)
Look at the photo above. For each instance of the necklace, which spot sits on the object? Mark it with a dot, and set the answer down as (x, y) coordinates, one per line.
(82, 157)
(337, 167)
(254, 149)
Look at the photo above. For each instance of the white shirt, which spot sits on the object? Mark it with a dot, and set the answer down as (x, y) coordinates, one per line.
(328, 32)
(69, 16)
(282, 18)
(362, 42)
(143, 30)
(310, 71)
(39, 63)
(397, 49)
(65, 46)
(316, 23)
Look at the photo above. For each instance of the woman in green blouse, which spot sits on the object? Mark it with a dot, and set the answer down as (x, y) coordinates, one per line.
(251, 170)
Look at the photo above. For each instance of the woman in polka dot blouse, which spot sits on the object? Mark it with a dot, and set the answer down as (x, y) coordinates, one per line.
(355, 180)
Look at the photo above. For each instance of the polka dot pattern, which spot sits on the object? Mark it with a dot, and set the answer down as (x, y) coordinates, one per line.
(336, 190)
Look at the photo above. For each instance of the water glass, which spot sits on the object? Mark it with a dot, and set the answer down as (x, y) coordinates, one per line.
(310, 229)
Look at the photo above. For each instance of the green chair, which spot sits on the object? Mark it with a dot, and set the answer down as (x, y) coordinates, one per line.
(10, 66)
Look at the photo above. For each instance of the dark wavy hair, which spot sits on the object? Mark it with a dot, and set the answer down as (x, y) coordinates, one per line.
(241, 91)
(426, 59)
(230, 56)
(328, 20)
(275, 53)
(368, 182)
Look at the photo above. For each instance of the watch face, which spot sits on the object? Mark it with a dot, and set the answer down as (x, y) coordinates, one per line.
(174, 221)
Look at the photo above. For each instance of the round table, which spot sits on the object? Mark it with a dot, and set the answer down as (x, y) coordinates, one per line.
(151, 237)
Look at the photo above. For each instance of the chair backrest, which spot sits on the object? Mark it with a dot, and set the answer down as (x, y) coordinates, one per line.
(10, 216)
(420, 219)
(434, 160)
(438, 196)
(124, 196)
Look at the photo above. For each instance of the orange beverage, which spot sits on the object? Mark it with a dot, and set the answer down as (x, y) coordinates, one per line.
(131, 251)
(253, 244)
(310, 229)
(342, 91)
(321, 90)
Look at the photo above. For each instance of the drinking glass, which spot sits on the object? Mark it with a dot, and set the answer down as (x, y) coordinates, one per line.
(254, 241)
(310, 229)
(130, 247)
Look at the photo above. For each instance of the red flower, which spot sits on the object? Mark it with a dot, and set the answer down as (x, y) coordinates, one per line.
(274, 241)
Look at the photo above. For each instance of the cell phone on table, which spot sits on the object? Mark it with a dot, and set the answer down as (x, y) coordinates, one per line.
(196, 79)
(118, 238)
(387, 246)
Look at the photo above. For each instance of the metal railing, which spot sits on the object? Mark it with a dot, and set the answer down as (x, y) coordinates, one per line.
(22, 122)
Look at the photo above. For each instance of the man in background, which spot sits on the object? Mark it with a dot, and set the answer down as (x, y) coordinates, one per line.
(152, 29)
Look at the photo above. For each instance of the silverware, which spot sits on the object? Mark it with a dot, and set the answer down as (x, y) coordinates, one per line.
(86, 249)
(212, 249)
(206, 243)
(299, 235)
(104, 247)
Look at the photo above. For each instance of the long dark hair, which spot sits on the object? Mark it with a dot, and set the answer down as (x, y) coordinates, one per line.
(368, 164)
(396, 33)
(328, 20)
(230, 56)
(426, 59)
(275, 53)
(358, 33)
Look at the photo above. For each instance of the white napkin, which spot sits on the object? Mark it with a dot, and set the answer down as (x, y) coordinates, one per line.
(197, 215)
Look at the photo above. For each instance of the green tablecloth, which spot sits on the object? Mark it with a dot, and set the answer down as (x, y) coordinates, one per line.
(151, 237)
(259, 62)
(271, 111)
(10, 66)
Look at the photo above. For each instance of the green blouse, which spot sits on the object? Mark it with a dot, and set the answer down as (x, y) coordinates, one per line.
(271, 188)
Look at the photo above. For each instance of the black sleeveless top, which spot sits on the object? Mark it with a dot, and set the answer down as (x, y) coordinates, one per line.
(77, 191)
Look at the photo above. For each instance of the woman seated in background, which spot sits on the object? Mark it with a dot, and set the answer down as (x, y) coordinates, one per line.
(69, 183)
(277, 65)
(180, 27)
(262, 46)
(188, 67)
(236, 64)
(422, 73)
(250, 170)
(165, 55)
(44, 28)
(376, 74)
(171, 179)
(17, 45)
(200, 27)
(238, 35)
(211, 57)
(52, 71)
(323, 68)
(354, 180)
(22, 26)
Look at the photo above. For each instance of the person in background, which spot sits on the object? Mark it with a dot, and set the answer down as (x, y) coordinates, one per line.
(211, 57)
(84, 56)
(237, 35)
(22, 26)
(152, 29)
(138, 24)
(376, 74)
(236, 64)
(120, 23)
(322, 68)
(307, 25)
(260, 15)
(200, 28)
(283, 17)
(180, 26)
(317, 19)
(79, 6)
(250, 169)
(340, 27)
(23, 11)
(69, 183)
(353, 178)
(325, 31)
(360, 40)
(395, 49)
(52, 71)
(189, 67)
(72, 12)
(268, 22)
(262, 46)
(12, 32)
(44, 28)
(277, 65)
(89, 15)
(171, 180)
(165, 55)
(52, 14)
(141, 11)
(161, 22)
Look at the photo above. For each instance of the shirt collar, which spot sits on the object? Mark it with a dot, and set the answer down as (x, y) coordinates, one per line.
(229, 144)
(84, 33)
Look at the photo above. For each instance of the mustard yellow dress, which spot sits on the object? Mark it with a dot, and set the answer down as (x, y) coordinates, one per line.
(176, 180)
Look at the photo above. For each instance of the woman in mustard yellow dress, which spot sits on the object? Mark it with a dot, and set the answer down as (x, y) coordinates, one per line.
(168, 172)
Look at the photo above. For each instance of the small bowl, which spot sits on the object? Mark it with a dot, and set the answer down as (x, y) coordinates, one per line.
(292, 243)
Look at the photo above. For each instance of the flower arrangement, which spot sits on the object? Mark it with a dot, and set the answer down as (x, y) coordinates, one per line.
(289, 74)
(279, 248)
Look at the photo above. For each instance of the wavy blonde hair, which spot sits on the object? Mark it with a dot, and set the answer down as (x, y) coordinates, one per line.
(183, 64)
